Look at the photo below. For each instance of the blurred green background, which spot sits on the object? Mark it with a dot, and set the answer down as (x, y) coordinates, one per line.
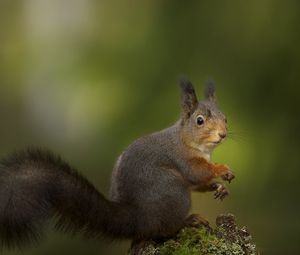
(85, 78)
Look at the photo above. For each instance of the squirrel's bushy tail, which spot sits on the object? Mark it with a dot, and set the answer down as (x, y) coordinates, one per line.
(36, 185)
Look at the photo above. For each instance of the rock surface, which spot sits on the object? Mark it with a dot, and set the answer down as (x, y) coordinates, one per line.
(226, 239)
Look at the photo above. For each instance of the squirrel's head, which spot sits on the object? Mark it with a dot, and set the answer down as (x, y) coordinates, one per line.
(203, 125)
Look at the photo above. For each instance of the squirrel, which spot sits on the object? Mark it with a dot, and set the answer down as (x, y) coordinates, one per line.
(150, 190)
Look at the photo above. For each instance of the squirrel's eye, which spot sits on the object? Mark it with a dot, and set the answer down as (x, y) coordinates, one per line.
(200, 120)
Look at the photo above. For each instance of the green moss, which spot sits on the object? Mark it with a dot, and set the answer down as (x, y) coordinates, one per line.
(199, 241)
(226, 239)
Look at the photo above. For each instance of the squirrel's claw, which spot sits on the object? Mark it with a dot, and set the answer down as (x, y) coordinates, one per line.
(229, 176)
(221, 192)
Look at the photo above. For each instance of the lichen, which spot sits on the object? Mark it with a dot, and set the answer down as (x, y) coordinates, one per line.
(225, 239)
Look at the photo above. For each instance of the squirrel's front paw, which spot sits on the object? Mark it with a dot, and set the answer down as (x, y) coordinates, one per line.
(221, 192)
(228, 176)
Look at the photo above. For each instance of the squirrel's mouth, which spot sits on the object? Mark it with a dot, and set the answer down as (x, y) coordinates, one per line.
(217, 142)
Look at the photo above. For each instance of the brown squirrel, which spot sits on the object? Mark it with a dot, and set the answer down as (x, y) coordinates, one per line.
(150, 187)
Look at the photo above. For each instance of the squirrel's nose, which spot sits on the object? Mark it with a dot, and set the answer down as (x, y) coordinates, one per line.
(222, 135)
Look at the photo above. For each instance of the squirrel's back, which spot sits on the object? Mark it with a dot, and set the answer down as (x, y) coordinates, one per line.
(143, 156)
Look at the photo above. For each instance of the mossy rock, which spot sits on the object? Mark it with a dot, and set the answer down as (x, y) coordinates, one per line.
(225, 239)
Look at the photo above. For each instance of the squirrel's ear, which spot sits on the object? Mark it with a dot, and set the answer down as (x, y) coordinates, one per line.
(189, 101)
(209, 92)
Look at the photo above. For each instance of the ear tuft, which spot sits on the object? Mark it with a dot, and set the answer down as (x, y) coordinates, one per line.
(189, 99)
(209, 92)
(186, 86)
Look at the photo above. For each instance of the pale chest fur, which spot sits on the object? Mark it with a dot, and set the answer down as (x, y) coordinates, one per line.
(201, 151)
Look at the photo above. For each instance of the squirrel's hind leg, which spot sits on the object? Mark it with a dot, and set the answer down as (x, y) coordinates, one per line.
(195, 220)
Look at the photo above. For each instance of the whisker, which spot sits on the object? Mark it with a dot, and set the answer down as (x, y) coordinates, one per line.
(237, 139)
(238, 136)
